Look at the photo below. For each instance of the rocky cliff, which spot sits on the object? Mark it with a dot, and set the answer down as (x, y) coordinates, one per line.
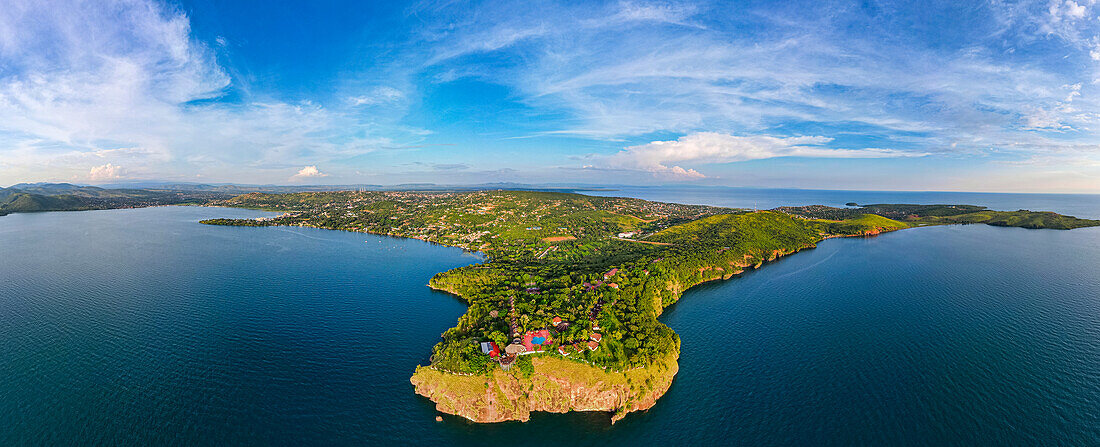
(553, 385)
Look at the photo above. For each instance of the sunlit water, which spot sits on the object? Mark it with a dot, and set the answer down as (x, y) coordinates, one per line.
(139, 327)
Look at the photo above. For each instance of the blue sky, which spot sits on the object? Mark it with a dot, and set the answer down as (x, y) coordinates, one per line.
(976, 96)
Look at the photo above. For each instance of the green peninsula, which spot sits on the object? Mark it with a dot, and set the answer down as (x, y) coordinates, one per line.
(563, 314)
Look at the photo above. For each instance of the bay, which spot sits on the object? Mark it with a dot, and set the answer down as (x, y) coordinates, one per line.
(143, 327)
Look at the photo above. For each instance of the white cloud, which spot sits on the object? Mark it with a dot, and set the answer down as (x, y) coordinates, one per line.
(1068, 10)
(379, 95)
(1074, 91)
(615, 79)
(663, 157)
(105, 172)
(307, 173)
(79, 78)
(657, 12)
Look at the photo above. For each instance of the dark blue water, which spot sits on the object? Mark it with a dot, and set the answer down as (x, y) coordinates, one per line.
(139, 327)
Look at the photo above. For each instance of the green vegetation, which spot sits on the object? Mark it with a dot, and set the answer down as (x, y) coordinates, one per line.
(944, 215)
(1021, 218)
(605, 266)
(25, 198)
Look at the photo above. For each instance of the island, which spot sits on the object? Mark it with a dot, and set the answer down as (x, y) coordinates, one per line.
(563, 314)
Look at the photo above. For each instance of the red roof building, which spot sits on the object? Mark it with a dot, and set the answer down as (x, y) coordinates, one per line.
(593, 345)
(596, 337)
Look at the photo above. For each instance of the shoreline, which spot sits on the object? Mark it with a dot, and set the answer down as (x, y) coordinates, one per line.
(428, 384)
(589, 290)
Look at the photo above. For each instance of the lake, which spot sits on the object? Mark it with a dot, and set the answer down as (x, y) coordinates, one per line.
(141, 327)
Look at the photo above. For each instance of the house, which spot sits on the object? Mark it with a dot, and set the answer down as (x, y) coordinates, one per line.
(562, 351)
(613, 285)
(611, 273)
(491, 348)
(560, 325)
(592, 346)
(596, 337)
(627, 234)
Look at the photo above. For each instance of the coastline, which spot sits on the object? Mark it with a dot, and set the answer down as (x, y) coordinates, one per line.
(557, 385)
(640, 360)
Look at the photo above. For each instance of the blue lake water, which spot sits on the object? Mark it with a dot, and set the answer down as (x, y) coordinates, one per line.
(143, 327)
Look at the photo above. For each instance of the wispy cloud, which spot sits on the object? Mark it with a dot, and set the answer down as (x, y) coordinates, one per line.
(663, 158)
(85, 86)
(617, 78)
(378, 95)
(83, 78)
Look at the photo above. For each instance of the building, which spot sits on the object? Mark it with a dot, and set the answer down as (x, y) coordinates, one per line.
(514, 349)
(596, 337)
(491, 348)
(610, 273)
(592, 346)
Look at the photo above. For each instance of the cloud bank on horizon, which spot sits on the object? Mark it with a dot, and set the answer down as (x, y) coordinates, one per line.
(981, 95)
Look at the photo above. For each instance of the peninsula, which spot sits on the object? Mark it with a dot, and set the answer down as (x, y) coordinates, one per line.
(563, 314)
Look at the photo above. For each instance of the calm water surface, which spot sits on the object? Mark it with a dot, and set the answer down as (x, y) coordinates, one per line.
(1080, 205)
(139, 327)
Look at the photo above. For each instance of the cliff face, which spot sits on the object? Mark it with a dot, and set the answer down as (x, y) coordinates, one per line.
(556, 385)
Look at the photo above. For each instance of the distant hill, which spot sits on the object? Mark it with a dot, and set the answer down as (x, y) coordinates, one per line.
(35, 197)
(944, 214)
(43, 196)
(16, 202)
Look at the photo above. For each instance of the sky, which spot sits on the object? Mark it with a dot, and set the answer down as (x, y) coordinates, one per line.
(951, 95)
